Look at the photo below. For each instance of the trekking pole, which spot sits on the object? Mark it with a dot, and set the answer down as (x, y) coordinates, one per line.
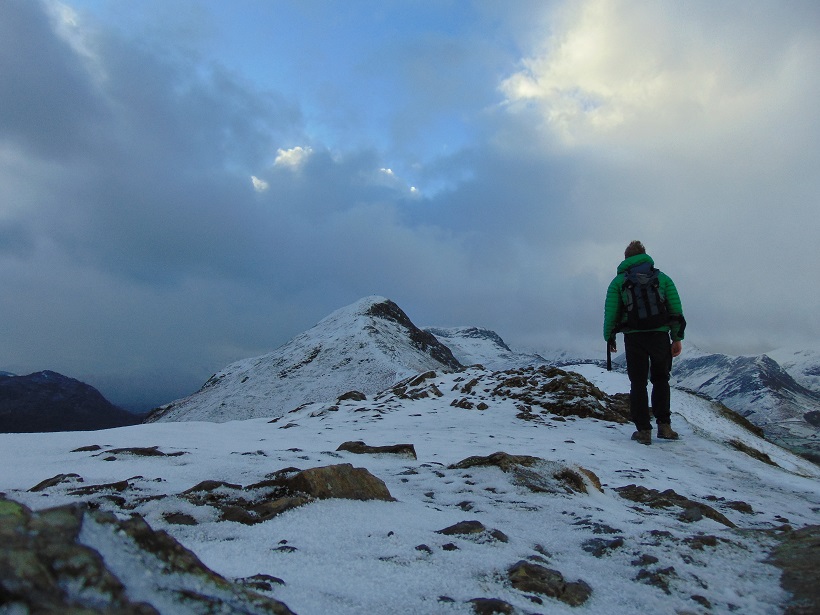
(609, 355)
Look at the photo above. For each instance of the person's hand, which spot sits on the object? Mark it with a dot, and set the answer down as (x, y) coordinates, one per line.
(677, 347)
(613, 347)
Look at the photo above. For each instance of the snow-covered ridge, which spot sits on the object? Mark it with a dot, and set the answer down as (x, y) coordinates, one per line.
(366, 346)
(476, 345)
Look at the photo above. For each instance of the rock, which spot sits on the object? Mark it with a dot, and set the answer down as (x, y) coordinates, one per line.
(473, 528)
(269, 509)
(798, 556)
(73, 560)
(561, 393)
(285, 490)
(121, 485)
(264, 582)
(529, 577)
(211, 485)
(536, 474)
(463, 527)
(359, 447)
(692, 511)
(600, 546)
(177, 518)
(340, 481)
(645, 560)
(657, 578)
(56, 480)
(143, 451)
(352, 396)
(491, 606)
(500, 459)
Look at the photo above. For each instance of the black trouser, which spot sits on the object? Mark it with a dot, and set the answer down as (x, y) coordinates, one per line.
(648, 356)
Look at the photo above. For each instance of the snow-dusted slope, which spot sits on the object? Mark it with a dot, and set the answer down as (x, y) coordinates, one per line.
(366, 346)
(349, 557)
(478, 346)
(802, 365)
(761, 390)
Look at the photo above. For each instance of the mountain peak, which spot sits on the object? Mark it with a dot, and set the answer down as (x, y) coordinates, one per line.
(368, 346)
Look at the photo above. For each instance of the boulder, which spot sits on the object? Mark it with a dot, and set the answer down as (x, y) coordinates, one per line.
(533, 578)
(536, 474)
(359, 447)
(339, 481)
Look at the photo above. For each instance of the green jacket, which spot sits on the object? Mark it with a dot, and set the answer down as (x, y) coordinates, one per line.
(614, 312)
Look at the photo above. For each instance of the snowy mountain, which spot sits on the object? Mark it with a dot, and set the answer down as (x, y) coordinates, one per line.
(48, 401)
(478, 346)
(449, 493)
(802, 365)
(758, 388)
(366, 347)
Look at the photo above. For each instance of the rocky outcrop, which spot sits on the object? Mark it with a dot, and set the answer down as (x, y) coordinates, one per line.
(360, 448)
(798, 556)
(690, 509)
(536, 474)
(561, 393)
(71, 559)
(339, 481)
(534, 578)
(287, 489)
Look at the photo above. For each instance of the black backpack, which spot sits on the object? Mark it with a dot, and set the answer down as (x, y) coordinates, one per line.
(645, 306)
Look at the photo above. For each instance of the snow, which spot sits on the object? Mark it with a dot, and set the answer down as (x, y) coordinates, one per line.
(353, 557)
(474, 345)
(803, 365)
(350, 349)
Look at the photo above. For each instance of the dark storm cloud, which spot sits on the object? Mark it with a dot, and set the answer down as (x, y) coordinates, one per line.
(48, 105)
(151, 150)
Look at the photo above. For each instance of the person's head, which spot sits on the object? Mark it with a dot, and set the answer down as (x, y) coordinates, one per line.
(634, 248)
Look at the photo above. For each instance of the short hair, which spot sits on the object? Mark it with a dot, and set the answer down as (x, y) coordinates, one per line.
(634, 247)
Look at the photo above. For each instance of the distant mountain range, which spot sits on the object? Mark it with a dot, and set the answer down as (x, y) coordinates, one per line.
(48, 401)
(763, 391)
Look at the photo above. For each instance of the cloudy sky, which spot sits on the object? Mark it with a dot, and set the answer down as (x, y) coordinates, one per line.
(184, 183)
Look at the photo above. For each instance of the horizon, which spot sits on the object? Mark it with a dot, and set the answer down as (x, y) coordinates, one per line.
(554, 354)
(184, 184)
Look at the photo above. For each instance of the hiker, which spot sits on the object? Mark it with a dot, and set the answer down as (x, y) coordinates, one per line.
(643, 304)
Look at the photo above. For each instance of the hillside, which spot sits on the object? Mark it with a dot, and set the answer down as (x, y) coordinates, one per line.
(761, 390)
(514, 492)
(479, 346)
(366, 346)
(48, 401)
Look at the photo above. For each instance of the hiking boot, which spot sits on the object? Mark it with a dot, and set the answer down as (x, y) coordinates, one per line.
(665, 432)
(644, 436)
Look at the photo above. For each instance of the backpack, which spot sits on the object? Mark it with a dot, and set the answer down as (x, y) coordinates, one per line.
(644, 304)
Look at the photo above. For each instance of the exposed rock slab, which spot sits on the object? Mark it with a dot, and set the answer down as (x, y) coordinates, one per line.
(340, 481)
(359, 447)
(536, 474)
(692, 510)
(529, 577)
(798, 556)
(71, 559)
